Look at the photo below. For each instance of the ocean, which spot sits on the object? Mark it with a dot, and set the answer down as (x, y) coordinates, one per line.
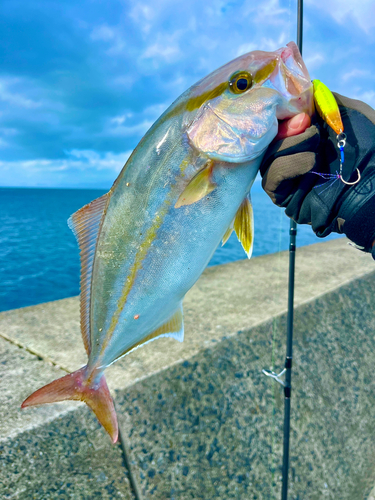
(39, 257)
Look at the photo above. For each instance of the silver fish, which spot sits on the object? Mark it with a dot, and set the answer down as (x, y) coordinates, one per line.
(183, 190)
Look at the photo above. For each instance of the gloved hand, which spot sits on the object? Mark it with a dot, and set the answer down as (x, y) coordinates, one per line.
(300, 173)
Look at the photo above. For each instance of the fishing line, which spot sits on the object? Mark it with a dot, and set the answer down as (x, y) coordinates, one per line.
(290, 36)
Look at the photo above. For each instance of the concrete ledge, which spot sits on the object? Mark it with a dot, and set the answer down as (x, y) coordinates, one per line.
(199, 419)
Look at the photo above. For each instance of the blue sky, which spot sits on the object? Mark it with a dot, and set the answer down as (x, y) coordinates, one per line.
(81, 82)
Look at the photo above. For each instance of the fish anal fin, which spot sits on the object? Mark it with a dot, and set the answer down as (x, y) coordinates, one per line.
(76, 386)
(85, 224)
(174, 328)
(244, 225)
(200, 186)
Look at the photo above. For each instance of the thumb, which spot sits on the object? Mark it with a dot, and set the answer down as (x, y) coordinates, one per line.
(293, 126)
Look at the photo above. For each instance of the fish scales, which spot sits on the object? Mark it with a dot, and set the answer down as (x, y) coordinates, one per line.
(152, 262)
(184, 189)
(126, 216)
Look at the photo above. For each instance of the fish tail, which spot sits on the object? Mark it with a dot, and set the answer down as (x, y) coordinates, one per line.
(77, 386)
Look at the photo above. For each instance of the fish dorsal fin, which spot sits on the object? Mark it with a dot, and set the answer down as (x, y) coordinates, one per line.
(174, 328)
(244, 225)
(85, 225)
(200, 186)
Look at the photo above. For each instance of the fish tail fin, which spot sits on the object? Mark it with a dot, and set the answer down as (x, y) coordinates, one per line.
(77, 386)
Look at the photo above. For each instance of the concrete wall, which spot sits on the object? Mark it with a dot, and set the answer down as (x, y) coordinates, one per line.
(199, 419)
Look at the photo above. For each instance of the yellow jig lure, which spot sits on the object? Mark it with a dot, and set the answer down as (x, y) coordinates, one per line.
(328, 110)
(327, 107)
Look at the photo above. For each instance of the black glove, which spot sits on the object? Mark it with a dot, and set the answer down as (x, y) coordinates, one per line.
(300, 173)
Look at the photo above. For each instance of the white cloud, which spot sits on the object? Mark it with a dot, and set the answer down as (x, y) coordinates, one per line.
(100, 85)
(168, 52)
(119, 125)
(120, 130)
(164, 50)
(155, 110)
(14, 98)
(119, 120)
(143, 15)
(8, 131)
(313, 62)
(265, 43)
(347, 11)
(271, 11)
(5, 134)
(354, 74)
(246, 47)
(79, 159)
(110, 35)
(125, 80)
(103, 32)
(87, 159)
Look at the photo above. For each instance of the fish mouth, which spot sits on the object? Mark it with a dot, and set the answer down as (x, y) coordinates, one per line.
(291, 50)
(292, 81)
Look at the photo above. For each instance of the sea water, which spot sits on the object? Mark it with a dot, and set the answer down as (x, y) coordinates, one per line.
(39, 256)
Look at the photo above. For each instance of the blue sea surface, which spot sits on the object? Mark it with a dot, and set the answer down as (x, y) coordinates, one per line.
(39, 257)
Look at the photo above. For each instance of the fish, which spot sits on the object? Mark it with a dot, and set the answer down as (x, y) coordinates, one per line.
(184, 189)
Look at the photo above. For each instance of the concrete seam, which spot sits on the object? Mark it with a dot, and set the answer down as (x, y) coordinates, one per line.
(34, 353)
(229, 334)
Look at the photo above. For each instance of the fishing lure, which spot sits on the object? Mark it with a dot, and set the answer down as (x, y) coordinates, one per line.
(328, 110)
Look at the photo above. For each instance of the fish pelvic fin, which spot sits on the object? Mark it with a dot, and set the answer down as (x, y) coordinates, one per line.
(244, 225)
(76, 386)
(227, 233)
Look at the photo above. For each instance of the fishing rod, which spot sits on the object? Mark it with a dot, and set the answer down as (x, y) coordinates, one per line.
(289, 335)
(287, 371)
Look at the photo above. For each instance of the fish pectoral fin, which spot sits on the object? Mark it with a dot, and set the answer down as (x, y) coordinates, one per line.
(244, 225)
(200, 186)
(85, 224)
(174, 328)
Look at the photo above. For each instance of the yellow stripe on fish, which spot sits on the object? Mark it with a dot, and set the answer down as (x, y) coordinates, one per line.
(265, 72)
(139, 258)
(196, 101)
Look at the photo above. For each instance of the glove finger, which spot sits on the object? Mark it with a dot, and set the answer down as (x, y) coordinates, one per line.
(307, 141)
(281, 178)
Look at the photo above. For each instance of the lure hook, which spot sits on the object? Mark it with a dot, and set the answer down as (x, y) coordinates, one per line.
(354, 182)
(341, 141)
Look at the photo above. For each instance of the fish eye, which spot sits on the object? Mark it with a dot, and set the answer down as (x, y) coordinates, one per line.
(240, 82)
